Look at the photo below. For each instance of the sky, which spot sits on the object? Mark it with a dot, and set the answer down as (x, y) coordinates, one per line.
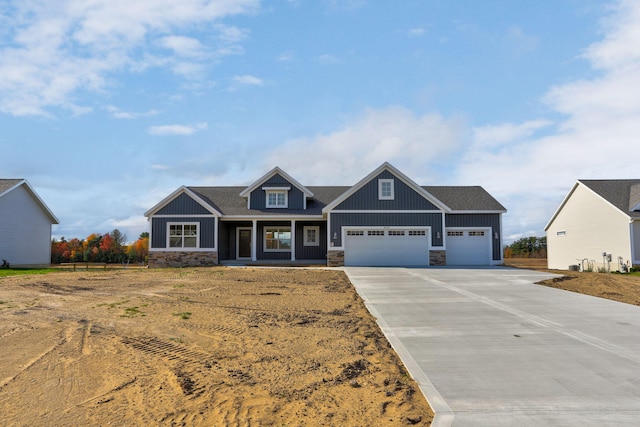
(108, 106)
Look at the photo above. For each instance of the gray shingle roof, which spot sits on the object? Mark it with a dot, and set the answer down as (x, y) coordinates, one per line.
(473, 198)
(6, 184)
(227, 200)
(624, 194)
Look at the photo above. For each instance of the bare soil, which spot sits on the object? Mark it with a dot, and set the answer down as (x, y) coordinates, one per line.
(195, 347)
(614, 286)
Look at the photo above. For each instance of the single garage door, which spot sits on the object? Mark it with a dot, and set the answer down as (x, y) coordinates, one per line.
(468, 247)
(408, 247)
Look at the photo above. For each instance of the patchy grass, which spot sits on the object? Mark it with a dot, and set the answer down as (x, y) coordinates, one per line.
(184, 315)
(6, 272)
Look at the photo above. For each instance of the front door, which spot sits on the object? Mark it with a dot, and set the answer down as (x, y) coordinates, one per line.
(244, 243)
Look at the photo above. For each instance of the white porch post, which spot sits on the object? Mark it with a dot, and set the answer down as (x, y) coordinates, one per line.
(254, 239)
(293, 240)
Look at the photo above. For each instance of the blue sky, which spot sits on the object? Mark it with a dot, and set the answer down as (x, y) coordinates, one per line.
(107, 106)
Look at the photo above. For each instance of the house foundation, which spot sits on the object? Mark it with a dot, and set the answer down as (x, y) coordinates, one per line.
(182, 259)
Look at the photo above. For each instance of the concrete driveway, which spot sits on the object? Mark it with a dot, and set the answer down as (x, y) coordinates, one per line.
(490, 348)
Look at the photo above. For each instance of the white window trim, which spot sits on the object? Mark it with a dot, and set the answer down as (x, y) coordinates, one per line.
(381, 183)
(196, 247)
(277, 191)
(264, 243)
(304, 232)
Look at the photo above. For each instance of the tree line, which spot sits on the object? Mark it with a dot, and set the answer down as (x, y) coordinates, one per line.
(110, 248)
(527, 247)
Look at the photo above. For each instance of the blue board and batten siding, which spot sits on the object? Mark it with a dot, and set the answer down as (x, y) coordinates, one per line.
(207, 229)
(258, 197)
(405, 197)
(429, 219)
(183, 205)
(479, 220)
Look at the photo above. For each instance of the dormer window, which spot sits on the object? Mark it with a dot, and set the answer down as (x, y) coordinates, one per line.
(277, 198)
(385, 189)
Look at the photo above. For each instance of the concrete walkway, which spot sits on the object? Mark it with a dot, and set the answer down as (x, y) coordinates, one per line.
(490, 348)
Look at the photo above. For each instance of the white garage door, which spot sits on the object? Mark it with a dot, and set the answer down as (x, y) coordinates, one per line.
(468, 247)
(408, 247)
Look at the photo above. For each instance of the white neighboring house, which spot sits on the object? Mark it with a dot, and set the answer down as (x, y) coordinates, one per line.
(597, 217)
(25, 225)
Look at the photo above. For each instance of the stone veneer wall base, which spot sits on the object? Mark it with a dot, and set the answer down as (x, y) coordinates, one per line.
(438, 258)
(335, 258)
(182, 259)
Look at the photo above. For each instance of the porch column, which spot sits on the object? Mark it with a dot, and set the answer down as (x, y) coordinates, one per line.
(254, 239)
(293, 240)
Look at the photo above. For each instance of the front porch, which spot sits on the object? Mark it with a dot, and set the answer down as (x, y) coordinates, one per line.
(275, 263)
(272, 242)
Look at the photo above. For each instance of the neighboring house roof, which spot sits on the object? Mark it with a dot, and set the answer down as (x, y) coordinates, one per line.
(8, 185)
(623, 194)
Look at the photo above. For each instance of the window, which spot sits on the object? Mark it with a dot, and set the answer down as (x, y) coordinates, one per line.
(417, 233)
(396, 232)
(277, 239)
(476, 233)
(355, 233)
(277, 198)
(385, 189)
(311, 236)
(183, 235)
(455, 233)
(375, 232)
(561, 233)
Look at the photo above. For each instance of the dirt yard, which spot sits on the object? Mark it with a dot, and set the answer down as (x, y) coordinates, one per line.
(617, 287)
(197, 347)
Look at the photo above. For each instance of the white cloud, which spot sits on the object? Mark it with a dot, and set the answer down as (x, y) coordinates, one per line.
(416, 32)
(415, 144)
(183, 46)
(117, 113)
(175, 130)
(248, 80)
(51, 51)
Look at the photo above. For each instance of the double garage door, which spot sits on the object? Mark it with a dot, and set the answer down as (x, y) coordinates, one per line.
(395, 247)
(410, 247)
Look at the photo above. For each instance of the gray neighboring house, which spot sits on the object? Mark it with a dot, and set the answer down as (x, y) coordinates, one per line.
(25, 225)
(385, 219)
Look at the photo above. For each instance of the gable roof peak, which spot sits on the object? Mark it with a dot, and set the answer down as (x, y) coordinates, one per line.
(401, 176)
(276, 171)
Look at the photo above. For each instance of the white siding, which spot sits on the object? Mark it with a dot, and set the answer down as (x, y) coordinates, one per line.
(25, 230)
(585, 227)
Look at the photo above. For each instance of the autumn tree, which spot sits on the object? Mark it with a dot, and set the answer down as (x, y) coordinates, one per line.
(138, 251)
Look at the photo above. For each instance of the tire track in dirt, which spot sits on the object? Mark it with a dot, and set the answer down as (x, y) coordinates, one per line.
(6, 381)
